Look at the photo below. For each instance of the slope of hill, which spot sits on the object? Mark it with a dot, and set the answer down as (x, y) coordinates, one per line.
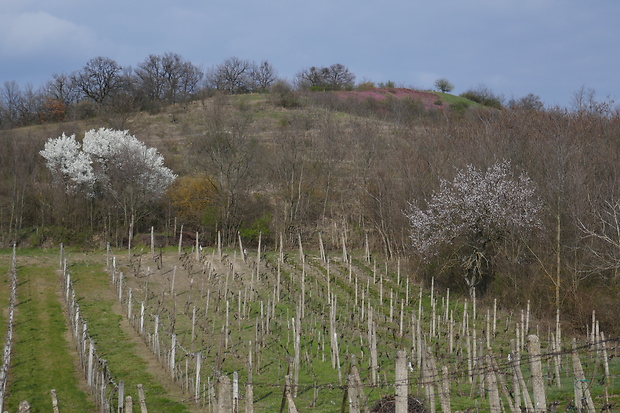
(345, 168)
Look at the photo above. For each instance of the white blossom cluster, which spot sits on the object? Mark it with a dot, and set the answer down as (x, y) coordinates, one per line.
(68, 163)
(477, 205)
(107, 157)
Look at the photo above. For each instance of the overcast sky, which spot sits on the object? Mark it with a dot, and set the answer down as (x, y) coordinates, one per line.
(514, 47)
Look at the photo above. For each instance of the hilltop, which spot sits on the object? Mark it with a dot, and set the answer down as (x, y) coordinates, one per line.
(429, 100)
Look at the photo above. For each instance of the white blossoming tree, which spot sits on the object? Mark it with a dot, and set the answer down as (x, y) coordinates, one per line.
(68, 164)
(109, 164)
(469, 215)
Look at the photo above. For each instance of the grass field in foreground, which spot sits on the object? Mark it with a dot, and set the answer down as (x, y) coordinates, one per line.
(41, 358)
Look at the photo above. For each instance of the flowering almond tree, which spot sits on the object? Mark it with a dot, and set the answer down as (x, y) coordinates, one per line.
(69, 165)
(469, 215)
(109, 164)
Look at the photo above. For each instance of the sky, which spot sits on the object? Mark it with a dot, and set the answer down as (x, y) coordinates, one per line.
(551, 48)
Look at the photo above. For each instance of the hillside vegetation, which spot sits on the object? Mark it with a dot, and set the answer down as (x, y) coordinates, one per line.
(295, 163)
(296, 207)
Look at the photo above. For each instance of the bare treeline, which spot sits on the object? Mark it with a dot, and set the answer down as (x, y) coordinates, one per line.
(102, 86)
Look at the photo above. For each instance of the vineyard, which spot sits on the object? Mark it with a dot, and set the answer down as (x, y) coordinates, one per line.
(289, 327)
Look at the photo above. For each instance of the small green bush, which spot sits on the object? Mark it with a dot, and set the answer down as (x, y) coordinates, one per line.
(459, 107)
(484, 97)
(283, 95)
(260, 225)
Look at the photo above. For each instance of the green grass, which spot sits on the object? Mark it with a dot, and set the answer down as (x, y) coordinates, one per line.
(41, 360)
(452, 99)
(111, 342)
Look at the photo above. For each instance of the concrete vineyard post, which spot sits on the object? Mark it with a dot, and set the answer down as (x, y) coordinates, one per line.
(54, 401)
(352, 390)
(128, 404)
(224, 396)
(197, 247)
(235, 392)
(540, 404)
(516, 365)
(249, 387)
(288, 398)
(401, 382)
(197, 381)
(494, 403)
(121, 396)
(582, 390)
(444, 394)
(142, 399)
(241, 250)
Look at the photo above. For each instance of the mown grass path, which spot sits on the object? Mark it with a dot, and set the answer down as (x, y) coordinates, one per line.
(42, 357)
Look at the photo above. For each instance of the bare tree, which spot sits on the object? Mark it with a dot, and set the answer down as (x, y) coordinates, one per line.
(227, 152)
(234, 75)
(584, 100)
(30, 106)
(310, 78)
(527, 102)
(263, 76)
(604, 236)
(63, 89)
(334, 77)
(100, 79)
(150, 78)
(167, 78)
(338, 77)
(10, 96)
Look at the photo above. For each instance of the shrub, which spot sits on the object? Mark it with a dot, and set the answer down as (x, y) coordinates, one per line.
(459, 107)
(365, 86)
(260, 225)
(483, 96)
(282, 94)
